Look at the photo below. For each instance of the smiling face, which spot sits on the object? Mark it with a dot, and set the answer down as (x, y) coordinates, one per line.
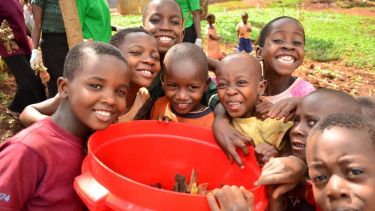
(283, 49)
(239, 84)
(341, 166)
(97, 93)
(163, 19)
(184, 85)
(140, 50)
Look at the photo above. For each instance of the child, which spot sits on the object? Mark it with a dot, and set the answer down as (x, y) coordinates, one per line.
(39, 164)
(139, 48)
(213, 45)
(341, 156)
(279, 60)
(243, 33)
(239, 86)
(308, 114)
(184, 89)
(163, 19)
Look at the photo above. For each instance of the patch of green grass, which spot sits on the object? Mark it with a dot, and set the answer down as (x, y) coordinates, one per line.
(329, 36)
(284, 3)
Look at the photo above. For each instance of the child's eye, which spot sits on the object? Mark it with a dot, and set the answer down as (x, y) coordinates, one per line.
(297, 43)
(222, 85)
(277, 41)
(193, 87)
(154, 20)
(242, 82)
(319, 179)
(175, 22)
(295, 120)
(354, 172)
(121, 93)
(135, 53)
(96, 86)
(171, 85)
(311, 123)
(155, 58)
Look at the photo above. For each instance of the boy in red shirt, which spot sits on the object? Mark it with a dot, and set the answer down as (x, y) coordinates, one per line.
(39, 164)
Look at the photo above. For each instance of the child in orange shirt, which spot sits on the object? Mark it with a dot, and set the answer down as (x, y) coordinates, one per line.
(184, 80)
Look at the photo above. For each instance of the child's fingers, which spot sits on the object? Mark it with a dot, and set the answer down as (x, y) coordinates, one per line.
(212, 202)
(234, 155)
(249, 197)
(282, 189)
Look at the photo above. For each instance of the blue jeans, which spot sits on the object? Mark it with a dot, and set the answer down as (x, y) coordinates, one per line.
(245, 45)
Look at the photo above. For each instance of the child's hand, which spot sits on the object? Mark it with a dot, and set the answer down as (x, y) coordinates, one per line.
(44, 76)
(262, 108)
(284, 108)
(231, 198)
(283, 172)
(164, 119)
(264, 152)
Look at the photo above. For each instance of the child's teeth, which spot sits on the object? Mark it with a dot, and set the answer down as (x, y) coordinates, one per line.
(104, 113)
(285, 59)
(165, 38)
(146, 72)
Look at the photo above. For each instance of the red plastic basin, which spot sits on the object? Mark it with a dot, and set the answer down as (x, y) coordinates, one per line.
(126, 158)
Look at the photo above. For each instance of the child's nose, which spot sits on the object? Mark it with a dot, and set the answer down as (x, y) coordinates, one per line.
(182, 95)
(337, 188)
(108, 97)
(231, 90)
(298, 129)
(148, 60)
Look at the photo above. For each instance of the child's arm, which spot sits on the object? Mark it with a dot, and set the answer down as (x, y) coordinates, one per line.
(264, 152)
(284, 108)
(283, 172)
(227, 137)
(262, 108)
(231, 198)
(38, 111)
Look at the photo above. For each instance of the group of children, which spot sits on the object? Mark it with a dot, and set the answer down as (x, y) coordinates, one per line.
(148, 73)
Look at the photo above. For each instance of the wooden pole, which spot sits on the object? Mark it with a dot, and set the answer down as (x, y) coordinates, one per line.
(71, 22)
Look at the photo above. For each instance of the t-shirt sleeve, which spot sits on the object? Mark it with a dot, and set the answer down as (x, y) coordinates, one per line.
(302, 89)
(20, 171)
(194, 5)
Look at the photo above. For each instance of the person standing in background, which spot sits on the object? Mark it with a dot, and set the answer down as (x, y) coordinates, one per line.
(95, 20)
(15, 50)
(48, 21)
(190, 11)
(243, 33)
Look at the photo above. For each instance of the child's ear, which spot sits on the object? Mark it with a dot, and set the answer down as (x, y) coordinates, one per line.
(63, 86)
(258, 52)
(262, 87)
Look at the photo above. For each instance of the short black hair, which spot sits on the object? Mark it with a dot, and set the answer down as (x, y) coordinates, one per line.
(367, 104)
(151, 1)
(187, 52)
(267, 28)
(349, 121)
(257, 68)
(75, 58)
(210, 16)
(119, 38)
(344, 101)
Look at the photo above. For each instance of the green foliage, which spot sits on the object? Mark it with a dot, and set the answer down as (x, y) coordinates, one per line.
(329, 36)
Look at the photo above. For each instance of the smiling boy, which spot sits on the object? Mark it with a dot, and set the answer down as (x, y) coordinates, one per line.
(38, 165)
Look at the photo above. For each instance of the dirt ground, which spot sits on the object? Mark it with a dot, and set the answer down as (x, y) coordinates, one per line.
(333, 75)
